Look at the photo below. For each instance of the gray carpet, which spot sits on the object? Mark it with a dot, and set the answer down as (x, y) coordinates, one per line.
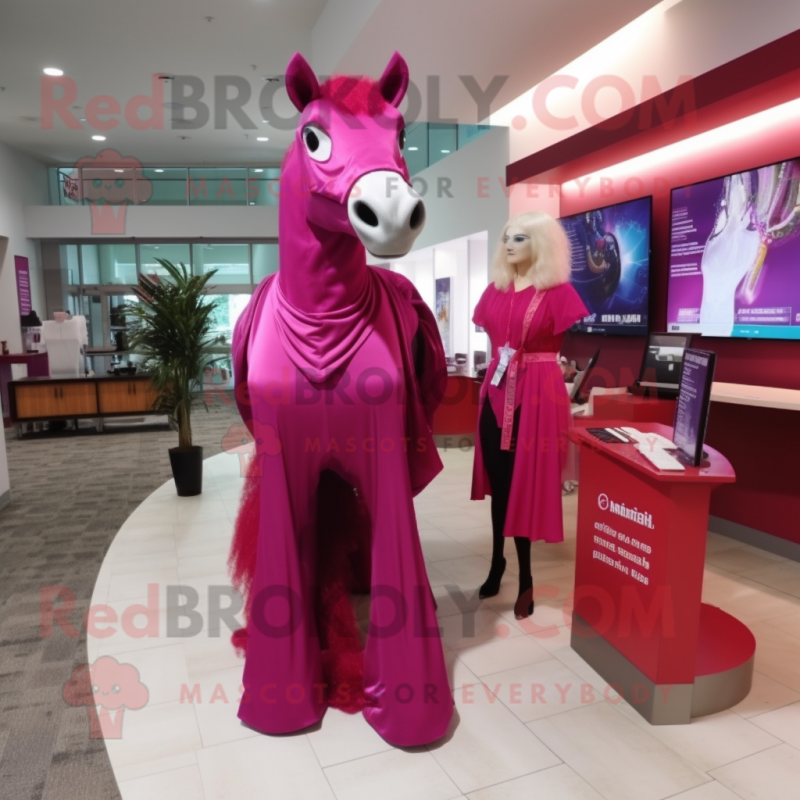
(71, 492)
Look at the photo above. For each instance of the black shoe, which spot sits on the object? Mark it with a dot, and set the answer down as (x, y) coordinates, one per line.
(492, 585)
(524, 606)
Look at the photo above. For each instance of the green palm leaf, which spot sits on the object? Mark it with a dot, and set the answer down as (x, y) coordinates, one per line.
(171, 328)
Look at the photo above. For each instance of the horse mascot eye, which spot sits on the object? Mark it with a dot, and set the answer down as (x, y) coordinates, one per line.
(318, 143)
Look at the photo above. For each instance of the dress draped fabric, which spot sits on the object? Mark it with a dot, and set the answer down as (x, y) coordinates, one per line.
(534, 506)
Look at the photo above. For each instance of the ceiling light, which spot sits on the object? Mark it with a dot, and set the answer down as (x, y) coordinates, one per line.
(258, 170)
(54, 71)
(262, 138)
(445, 151)
(252, 203)
(99, 138)
(119, 170)
(158, 170)
(413, 148)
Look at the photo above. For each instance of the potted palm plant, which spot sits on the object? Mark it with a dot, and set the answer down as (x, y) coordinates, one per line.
(171, 328)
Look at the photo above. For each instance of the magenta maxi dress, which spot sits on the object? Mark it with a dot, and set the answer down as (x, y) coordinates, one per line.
(370, 427)
(538, 389)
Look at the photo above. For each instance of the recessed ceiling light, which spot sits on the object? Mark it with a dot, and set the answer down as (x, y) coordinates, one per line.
(413, 148)
(445, 151)
(262, 138)
(258, 170)
(54, 71)
(119, 170)
(158, 170)
(99, 138)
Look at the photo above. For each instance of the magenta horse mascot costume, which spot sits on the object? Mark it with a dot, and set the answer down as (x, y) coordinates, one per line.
(339, 368)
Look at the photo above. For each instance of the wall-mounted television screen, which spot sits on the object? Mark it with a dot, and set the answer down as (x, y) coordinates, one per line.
(611, 266)
(734, 265)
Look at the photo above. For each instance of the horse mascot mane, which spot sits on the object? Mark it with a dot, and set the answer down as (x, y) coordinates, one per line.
(339, 367)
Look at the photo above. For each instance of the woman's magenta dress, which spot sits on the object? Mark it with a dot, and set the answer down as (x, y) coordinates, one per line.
(534, 506)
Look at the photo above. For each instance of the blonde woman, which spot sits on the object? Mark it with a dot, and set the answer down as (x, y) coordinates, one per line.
(524, 411)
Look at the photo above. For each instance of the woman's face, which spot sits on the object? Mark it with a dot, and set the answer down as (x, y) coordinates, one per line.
(518, 246)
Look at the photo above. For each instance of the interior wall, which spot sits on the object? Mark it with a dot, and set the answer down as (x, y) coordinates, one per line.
(23, 181)
(762, 140)
(451, 260)
(5, 482)
(466, 192)
(478, 281)
(765, 497)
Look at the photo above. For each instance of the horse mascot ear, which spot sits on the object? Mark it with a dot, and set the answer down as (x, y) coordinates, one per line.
(394, 81)
(303, 86)
(301, 82)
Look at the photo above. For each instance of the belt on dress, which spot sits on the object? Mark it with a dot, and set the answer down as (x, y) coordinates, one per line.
(511, 389)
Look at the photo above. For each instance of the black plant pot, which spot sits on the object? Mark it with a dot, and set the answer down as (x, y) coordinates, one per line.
(187, 469)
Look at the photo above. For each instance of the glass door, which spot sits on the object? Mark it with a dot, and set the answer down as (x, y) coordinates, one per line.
(108, 326)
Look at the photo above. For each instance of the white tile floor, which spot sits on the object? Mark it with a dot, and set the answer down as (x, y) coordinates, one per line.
(533, 719)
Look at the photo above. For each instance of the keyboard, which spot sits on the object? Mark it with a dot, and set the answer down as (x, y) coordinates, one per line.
(607, 435)
(659, 458)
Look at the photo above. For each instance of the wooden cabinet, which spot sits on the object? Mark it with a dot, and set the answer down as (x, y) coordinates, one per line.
(36, 399)
(55, 399)
(126, 396)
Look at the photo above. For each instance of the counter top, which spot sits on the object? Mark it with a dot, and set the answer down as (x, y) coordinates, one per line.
(715, 469)
(764, 396)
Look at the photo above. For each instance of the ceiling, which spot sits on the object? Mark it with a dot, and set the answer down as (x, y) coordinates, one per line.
(111, 47)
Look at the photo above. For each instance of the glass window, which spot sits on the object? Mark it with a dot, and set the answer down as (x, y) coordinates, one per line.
(263, 186)
(265, 261)
(108, 185)
(176, 253)
(221, 186)
(108, 264)
(162, 187)
(441, 141)
(232, 262)
(229, 307)
(467, 133)
(66, 187)
(70, 266)
(416, 149)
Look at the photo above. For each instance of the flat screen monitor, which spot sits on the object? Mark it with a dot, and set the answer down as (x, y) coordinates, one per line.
(611, 266)
(578, 389)
(692, 405)
(734, 264)
(663, 361)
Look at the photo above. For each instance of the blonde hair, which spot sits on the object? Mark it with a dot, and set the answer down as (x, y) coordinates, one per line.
(550, 247)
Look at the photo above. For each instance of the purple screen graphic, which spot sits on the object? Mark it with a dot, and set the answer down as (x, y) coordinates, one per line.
(734, 267)
(611, 266)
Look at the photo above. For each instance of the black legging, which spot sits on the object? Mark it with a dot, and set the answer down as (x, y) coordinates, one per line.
(500, 467)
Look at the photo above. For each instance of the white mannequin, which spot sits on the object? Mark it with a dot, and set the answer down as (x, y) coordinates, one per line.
(519, 254)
